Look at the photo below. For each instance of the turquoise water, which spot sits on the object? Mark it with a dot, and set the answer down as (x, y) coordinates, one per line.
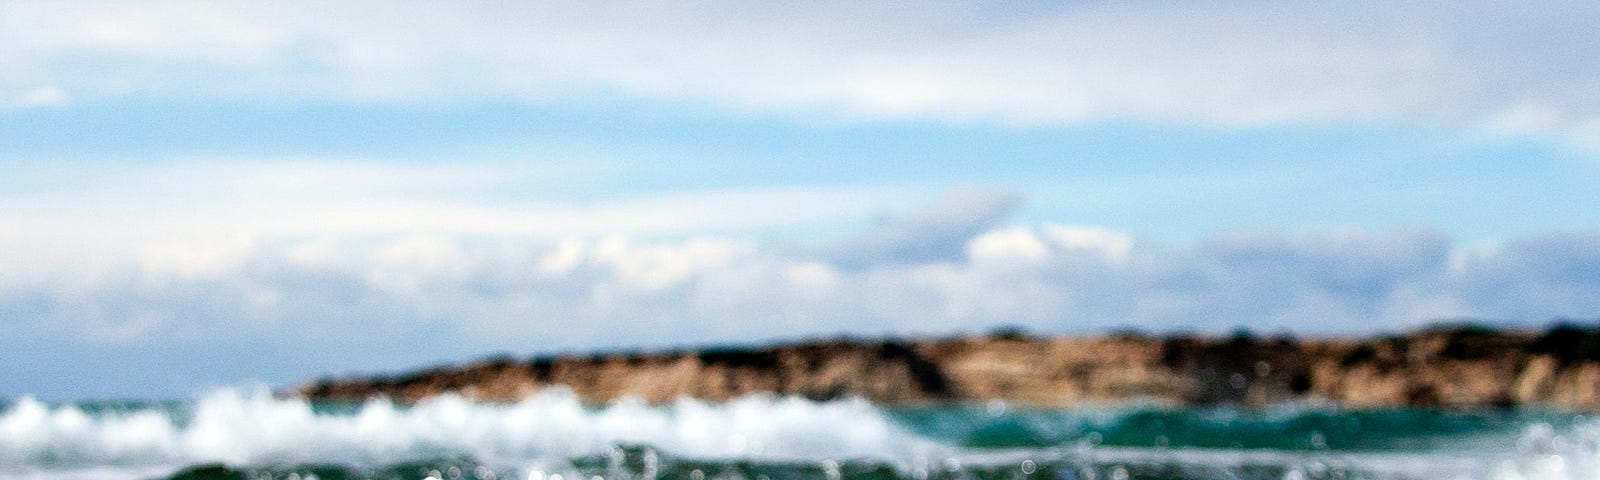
(552, 436)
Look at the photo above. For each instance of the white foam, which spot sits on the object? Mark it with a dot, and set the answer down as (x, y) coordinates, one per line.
(546, 431)
(249, 428)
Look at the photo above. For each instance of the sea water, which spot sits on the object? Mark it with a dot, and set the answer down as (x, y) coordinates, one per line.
(234, 434)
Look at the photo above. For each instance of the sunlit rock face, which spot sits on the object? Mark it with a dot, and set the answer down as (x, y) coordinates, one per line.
(1442, 367)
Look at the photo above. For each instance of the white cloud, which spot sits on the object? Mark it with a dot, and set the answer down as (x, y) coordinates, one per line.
(1114, 245)
(395, 294)
(514, 294)
(1008, 245)
(937, 232)
(1490, 66)
(45, 96)
(1027, 245)
(195, 218)
(203, 249)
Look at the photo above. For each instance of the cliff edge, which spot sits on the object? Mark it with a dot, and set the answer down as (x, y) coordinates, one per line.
(1461, 367)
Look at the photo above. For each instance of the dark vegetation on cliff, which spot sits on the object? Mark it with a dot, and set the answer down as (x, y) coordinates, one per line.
(1464, 365)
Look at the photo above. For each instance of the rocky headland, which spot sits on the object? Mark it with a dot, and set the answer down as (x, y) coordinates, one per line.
(1452, 367)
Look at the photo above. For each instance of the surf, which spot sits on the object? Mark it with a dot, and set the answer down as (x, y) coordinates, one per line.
(552, 435)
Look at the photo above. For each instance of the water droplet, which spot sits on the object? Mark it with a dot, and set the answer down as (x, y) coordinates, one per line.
(1028, 467)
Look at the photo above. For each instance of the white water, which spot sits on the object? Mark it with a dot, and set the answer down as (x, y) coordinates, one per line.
(237, 428)
(547, 430)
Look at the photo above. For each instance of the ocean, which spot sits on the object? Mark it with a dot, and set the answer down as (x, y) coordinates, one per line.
(247, 434)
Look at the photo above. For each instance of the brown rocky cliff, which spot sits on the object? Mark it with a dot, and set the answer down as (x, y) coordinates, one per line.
(1460, 367)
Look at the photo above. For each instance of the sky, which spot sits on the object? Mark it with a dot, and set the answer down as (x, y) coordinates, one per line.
(195, 194)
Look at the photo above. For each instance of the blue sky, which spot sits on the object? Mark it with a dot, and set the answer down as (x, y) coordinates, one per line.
(235, 192)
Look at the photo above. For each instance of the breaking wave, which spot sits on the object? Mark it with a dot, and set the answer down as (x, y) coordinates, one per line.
(239, 428)
(554, 436)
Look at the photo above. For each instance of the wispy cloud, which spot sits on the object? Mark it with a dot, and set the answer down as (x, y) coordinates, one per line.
(78, 223)
(396, 262)
(1487, 66)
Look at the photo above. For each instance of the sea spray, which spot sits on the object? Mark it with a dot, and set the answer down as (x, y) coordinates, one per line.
(552, 435)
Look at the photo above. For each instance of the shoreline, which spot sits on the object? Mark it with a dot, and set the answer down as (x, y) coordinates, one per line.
(1459, 367)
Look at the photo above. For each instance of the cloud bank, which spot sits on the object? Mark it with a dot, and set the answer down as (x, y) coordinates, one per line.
(1519, 69)
(382, 296)
(616, 290)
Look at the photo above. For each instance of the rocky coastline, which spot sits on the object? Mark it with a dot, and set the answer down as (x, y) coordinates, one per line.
(1444, 367)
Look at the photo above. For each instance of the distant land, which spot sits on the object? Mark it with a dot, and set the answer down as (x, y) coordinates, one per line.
(1459, 366)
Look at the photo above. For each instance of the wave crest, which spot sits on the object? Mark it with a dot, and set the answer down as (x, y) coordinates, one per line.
(250, 428)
